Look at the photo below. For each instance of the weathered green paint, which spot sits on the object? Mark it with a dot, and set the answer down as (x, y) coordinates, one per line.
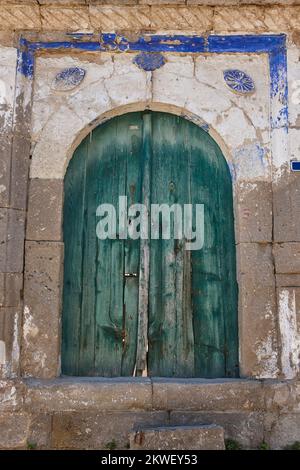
(178, 317)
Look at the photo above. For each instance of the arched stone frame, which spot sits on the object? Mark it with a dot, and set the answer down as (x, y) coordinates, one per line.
(257, 312)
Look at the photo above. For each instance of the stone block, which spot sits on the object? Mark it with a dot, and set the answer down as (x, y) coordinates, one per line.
(45, 210)
(286, 193)
(19, 17)
(111, 18)
(42, 303)
(282, 430)
(19, 171)
(11, 395)
(65, 18)
(255, 265)
(288, 280)
(10, 326)
(12, 227)
(244, 18)
(5, 163)
(11, 287)
(281, 396)
(13, 430)
(254, 212)
(113, 2)
(255, 19)
(287, 257)
(288, 301)
(39, 433)
(245, 428)
(279, 18)
(204, 437)
(160, 2)
(7, 38)
(202, 394)
(100, 430)
(89, 394)
(258, 331)
(62, 2)
(194, 18)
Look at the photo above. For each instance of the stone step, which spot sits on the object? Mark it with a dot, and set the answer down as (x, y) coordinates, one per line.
(201, 437)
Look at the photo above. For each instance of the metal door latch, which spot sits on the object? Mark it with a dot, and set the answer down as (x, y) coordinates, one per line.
(130, 275)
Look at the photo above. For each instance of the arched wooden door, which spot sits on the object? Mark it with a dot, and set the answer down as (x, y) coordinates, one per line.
(130, 300)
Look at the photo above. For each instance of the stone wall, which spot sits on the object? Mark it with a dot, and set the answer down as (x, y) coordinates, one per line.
(91, 413)
(41, 127)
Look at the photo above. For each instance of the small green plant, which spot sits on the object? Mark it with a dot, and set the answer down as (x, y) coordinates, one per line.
(112, 445)
(231, 444)
(263, 446)
(294, 446)
(31, 445)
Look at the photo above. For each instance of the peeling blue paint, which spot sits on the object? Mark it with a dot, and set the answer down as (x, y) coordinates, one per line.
(25, 59)
(272, 44)
(150, 61)
(245, 43)
(279, 86)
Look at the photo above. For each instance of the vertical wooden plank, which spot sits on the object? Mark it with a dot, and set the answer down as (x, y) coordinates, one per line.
(185, 366)
(162, 308)
(142, 342)
(207, 280)
(229, 293)
(87, 326)
(111, 177)
(73, 221)
(132, 247)
(170, 313)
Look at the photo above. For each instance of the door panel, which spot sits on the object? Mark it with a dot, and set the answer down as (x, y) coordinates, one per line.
(190, 310)
(107, 311)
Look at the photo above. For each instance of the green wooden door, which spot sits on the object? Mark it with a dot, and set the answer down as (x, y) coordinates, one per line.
(149, 306)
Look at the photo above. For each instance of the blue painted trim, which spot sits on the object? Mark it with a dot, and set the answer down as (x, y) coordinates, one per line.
(295, 165)
(176, 43)
(279, 86)
(272, 44)
(25, 59)
(246, 43)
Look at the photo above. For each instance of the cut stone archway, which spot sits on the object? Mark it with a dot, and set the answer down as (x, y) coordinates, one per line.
(180, 87)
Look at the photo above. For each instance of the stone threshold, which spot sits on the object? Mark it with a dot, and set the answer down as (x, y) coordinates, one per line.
(123, 394)
(66, 394)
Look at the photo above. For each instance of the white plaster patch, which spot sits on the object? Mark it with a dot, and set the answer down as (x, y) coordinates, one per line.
(30, 330)
(293, 62)
(2, 352)
(209, 70)
(251, 161)
(8, 60)
(194, 85)
(9, 395)
(290, 338)
(267, 359)
(280, 152)
(16, 346)
(234, 127)
(47, 101)
(294, 143)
